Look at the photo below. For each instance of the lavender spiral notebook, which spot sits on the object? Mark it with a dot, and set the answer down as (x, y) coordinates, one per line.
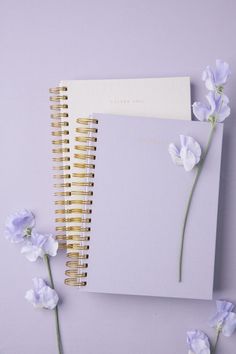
(139, 198)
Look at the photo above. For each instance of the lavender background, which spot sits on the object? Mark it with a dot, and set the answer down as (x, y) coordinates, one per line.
(44, 41)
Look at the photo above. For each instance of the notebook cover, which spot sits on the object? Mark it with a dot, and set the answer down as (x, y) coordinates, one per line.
(138, 207)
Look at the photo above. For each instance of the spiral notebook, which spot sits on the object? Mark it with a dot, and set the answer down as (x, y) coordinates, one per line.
(138, 202)
(75, 143)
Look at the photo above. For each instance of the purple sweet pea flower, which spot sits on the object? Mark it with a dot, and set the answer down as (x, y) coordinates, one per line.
(17, 225)
(38, 245)
(215, 79)
(189, 153)
(198, 342)
(42, 296)
(217, 108)
(224, 320)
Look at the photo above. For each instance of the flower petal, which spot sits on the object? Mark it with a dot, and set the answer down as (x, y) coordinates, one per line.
(50, 246)
(201, 111)
(32, 252)
(49, 298)
(224, 306)
(229, 325)
(174, 153)
(188, 158)
(198, 342)
(42, 296)
(16, 225)
(222, 72)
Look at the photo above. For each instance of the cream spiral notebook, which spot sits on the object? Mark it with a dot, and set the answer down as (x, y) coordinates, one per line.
(75, 145)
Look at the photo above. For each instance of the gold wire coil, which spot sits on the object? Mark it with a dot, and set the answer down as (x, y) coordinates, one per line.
(69, 194)
(72, 238)
(60, 150)
(58, 89)
(73, 211)
(62, 185)
(66, 176)
(74, 282)
(58, 98)
(73, 228)
(83, 175)
(60, 132)
(80, 220)
(86, 121)
(61, 142)
(77, 247)
(77, 255)
(84, 157)
(62, 194)
(57, 107)
(59, 124)
(86, 130)
(85, 139)
(61, 168)
(76, 264)
(82, 184)
(59, 115)
(81, 193)
(85, 148)
(84, 165)
(73, 246)
(73, 202)
(75, 273)
(60, 159)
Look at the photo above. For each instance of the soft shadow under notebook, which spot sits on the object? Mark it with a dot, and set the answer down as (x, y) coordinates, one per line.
(137, 198)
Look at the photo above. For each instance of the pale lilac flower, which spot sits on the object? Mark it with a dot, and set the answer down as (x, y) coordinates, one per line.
(18, 224)
(42, 296)
(189, 153)
(225, 318)
(38, 245)
(216, 78)
(198, 342)
(216, 109)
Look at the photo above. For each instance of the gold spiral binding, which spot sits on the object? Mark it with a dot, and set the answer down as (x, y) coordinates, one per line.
(61, 142)
(86, 130)
(83, 175)
(75, 273)
(80, 220)
(58, 106)
(56, 90)
(77, 246)
(86, 120)
(72, 238)
(62, 185)
(61, 159)
(85, 147)
(75, 282)
(59, 124)
(73, 228)
(73, 211)
(59, 112)
(87, 166)
(85, 157)
(59, 115)
(76, 264)
(58, 98)
(73, 246)
(60, 150)
(73, 202)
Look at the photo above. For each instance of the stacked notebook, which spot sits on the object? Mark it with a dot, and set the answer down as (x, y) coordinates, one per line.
(120, 199)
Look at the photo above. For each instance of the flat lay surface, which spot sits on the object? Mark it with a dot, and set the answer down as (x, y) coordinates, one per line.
(44, 42)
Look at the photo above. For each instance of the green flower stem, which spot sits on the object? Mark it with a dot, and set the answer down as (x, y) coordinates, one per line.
(200, 165)
(59, 341)
(216, 340)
